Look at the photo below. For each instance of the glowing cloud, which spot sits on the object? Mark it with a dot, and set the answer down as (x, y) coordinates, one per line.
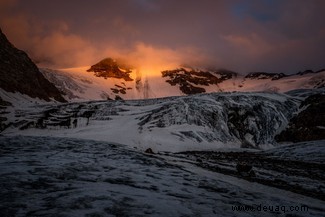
(278, 36)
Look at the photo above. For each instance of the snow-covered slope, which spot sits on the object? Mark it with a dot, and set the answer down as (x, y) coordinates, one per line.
(284, 84)
(196, 122)
(80, 85)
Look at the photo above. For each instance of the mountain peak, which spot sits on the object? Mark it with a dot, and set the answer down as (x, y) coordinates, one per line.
(110, 68)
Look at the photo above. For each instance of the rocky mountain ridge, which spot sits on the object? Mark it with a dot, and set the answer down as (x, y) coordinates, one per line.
(192, 81)
(19, 74)
(110, 68)
(78, 84)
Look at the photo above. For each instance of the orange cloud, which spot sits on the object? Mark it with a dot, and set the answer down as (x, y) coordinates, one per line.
(57, 47)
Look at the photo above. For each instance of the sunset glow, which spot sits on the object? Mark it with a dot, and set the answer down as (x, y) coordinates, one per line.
(276, 36)
(162, 108)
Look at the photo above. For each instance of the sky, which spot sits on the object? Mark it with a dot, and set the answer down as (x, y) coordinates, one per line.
(241, 35)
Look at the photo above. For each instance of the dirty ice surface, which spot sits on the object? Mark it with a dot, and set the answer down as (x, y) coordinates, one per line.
(46, 176)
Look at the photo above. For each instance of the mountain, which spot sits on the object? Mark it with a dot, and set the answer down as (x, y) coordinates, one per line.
(19, 74)
(109, 68)
(114, 80)
(265, 75)
(140, 157)
(193, 81)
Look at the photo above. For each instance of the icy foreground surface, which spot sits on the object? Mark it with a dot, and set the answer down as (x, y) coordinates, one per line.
(44, 176)
(199, 122)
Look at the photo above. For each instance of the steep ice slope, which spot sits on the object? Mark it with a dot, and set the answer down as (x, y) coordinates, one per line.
(80, 85)
(197, 122)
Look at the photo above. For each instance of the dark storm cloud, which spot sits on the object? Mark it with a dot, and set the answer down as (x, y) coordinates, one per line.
(252, 35)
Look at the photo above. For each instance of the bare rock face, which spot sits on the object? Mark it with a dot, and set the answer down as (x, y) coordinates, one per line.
(19, 74)
(109, 68)
(188, 79)
(149, 151)
(265, 75)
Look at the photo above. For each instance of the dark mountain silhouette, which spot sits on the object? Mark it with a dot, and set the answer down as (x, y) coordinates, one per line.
(19, 74)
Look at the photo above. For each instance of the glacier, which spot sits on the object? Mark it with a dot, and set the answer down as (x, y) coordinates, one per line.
(48, 176)
(197, 122)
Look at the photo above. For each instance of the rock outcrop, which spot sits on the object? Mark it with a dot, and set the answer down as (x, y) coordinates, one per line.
(109, 68)
(189, 80)
(19, 74)
(265, 75)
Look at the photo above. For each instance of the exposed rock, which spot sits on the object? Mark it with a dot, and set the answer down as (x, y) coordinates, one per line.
(309, 124)
(19, 74)
(265, 75)
(119, 89)
(149, 151)
(308, 71)
(117, 97)
(187, 79)
(109, 68)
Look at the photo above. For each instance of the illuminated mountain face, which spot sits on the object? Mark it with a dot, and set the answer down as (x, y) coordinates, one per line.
(115, 81)
(109, 68)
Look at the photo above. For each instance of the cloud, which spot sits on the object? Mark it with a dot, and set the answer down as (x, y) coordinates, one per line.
(252, 35)
(252, 44)
(55, 47)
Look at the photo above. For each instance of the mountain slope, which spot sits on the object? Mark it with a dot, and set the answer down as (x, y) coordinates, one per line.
(78, 84)
(109, 68)
(19, 74)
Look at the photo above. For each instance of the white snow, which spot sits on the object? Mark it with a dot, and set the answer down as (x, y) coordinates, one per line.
(82, 85)
(172, 124)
